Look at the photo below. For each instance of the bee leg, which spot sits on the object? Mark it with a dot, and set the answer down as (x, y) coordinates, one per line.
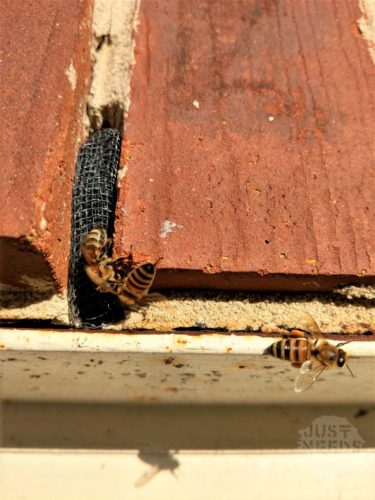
(145, 301)
(128, 302)
(153, 297)
(138, 304)
(130, 256)
(124, 264)
(111, 286)
(107, 261)
(106, 287)
(294, 334)
(296, 365)
(103, 255)
(136, 308)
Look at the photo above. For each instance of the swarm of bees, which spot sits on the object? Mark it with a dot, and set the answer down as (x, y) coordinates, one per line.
(130, 282)
(309, 351)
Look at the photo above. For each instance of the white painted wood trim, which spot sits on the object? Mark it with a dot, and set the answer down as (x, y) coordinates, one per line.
(327, 475)
(208, 343)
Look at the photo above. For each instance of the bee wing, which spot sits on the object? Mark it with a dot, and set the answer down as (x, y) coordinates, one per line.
(309, 325)
(308, 374)
(147, 476)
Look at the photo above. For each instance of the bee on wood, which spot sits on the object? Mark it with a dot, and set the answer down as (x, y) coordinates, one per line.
(310, 352)
(99, 267)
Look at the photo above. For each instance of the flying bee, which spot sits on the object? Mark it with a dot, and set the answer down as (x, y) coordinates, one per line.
(136, 285)
(100, 268)
(312, 354)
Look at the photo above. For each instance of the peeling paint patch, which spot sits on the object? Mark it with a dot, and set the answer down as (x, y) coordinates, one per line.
(43, 220)
(366, 24)
(121, 174)
(71, 73)
(43, 224)
(167, 226)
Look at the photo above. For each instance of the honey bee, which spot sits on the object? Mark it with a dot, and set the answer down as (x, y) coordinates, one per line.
(310, 352)
(94, 246)
(136, 285)
(131, 283)
(100, 268)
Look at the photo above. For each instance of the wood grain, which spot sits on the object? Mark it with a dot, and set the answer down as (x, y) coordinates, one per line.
(249, 145)
(45, 71)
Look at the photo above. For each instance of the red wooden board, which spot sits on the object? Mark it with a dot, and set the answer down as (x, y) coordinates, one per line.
(249, 145)
(45, 66)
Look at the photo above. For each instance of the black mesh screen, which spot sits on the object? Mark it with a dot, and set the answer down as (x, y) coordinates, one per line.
(94, 198)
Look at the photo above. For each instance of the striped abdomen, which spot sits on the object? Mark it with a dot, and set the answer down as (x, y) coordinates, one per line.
(297, 351)
(140, 280)
(94, 245)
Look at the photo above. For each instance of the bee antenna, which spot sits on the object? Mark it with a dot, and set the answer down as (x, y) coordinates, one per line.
(159, 259)
(343, 343)
(351, 373)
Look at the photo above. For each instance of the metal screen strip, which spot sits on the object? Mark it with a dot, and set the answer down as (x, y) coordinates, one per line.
(94, 199)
